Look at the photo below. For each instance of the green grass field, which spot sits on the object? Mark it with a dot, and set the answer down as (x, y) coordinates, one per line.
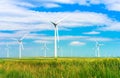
(60, 68)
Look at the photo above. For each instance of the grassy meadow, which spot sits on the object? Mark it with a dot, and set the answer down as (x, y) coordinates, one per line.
(60, 68)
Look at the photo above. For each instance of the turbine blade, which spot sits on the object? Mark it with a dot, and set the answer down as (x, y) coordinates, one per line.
(22, 47)
(42, 48)
(57, 33)
(14, 39)
(61, 19)
(7, 45)
(46, 47)
(96, 41)
(23, 36)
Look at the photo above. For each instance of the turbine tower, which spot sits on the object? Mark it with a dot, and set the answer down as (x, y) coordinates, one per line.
(20, 42)
(45, 48)
(98, 48)
(56, 36)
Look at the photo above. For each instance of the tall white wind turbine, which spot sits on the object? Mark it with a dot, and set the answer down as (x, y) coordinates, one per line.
(56, 35)
(45, 48)
(56, 38)
(98, 48)
(20, 42)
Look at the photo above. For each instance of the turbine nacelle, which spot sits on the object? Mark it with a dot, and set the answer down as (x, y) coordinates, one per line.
(55, 24)
(98, 45)
(19, 41)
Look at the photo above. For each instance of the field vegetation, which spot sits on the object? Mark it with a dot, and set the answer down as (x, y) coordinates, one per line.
(60, 68)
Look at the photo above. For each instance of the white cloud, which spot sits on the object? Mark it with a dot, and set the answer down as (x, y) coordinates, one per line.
(77, 43)
(42, 41)
(40, 38)
(9, 43)
(112, 4)
(115, 7)
(31, 20)
(51, 5)
(99, 39)
(70, 37)
(58, 1)
(112, 27)
(25, 4)
(109, 4)
(92, 32)
(51, 38)
(14, 17)
(95, 1)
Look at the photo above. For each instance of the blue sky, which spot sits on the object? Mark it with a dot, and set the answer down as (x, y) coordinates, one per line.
(87, 21)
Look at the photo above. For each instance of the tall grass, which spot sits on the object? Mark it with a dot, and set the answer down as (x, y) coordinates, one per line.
(60, 68)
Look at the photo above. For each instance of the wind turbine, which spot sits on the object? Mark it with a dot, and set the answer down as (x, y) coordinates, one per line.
(45, 48)
(56, 35)
(7, 49)
(98, 48)
(71, 52)
(20, 44)
(60, 51)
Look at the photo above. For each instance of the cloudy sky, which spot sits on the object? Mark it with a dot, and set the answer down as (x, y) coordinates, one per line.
(85, 22)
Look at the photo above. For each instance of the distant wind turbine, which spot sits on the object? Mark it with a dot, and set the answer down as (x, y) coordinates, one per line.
(21, 47)
(71, 52)
(60, 51)
(45, 48)
(56, 35)
(7, 50)
(98, 48)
